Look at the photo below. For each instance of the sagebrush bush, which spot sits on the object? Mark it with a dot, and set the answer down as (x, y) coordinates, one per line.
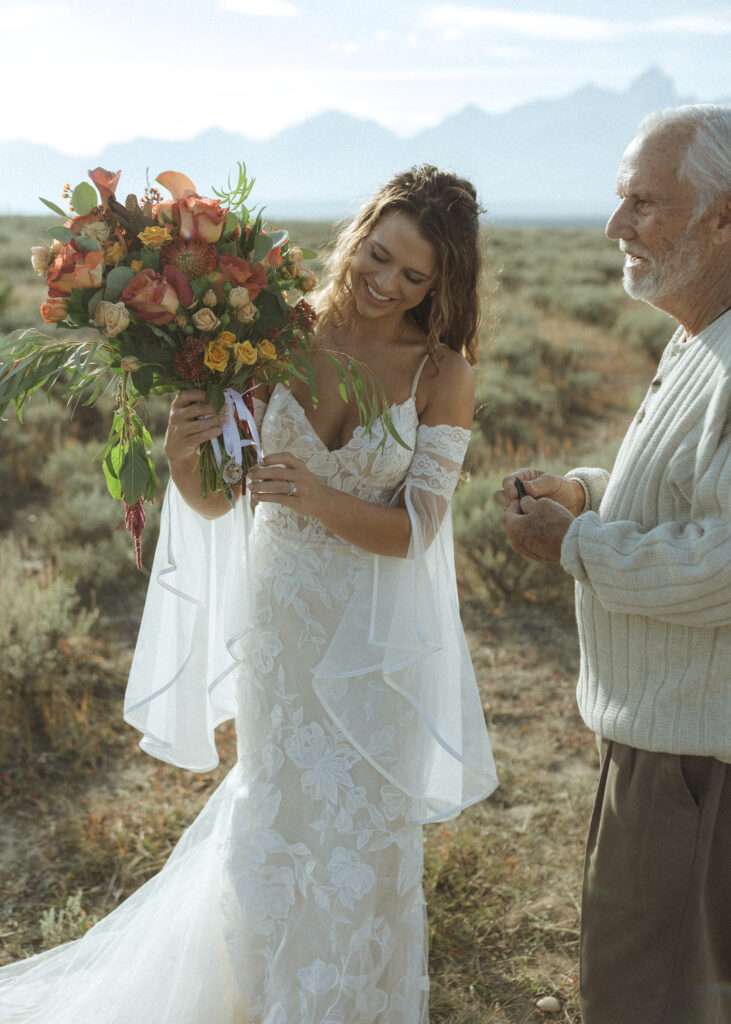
(39, 622)
(646, 328)
(507, 577)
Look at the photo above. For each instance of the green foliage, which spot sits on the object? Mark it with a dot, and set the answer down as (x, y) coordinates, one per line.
(65, 924)
(39, 623)
(506, 577)
(645, 327)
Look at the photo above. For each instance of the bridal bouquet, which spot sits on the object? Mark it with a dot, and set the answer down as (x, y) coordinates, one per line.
(185, 292)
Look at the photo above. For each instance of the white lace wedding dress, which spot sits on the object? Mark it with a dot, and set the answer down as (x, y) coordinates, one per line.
(295, 897)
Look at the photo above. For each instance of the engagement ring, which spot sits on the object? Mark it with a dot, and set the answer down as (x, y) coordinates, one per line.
(292, 488)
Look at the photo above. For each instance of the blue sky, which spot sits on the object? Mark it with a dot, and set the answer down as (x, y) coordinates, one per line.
(78, 74)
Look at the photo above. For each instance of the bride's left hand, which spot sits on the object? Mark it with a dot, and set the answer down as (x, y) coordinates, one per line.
(286, 480)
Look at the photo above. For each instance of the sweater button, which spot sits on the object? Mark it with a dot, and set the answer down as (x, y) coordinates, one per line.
(656, 384)
(640, 415)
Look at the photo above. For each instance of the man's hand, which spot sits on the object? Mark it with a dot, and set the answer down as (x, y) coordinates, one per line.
(538, 484)
(536, 529)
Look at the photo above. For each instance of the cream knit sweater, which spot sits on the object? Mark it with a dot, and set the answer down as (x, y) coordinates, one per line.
(651, 555)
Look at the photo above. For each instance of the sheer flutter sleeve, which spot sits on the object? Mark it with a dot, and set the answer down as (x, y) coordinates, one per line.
(182, 681)
(397, 677)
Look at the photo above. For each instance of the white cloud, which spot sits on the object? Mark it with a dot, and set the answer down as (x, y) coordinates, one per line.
(692, 24)
(266, 8)
(348, 49)
(456, 20)
(31, 15)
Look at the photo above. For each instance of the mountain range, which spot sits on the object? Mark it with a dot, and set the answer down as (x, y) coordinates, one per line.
(553, 160)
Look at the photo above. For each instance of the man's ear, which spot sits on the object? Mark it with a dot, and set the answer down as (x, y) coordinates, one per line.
(722, 221)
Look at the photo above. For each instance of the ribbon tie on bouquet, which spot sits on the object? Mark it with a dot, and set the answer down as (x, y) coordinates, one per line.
(232, 441)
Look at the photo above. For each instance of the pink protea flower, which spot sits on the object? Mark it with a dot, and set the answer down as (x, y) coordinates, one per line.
(193, 257)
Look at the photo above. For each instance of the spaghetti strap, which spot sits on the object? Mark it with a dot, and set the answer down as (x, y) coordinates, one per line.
(421, 366)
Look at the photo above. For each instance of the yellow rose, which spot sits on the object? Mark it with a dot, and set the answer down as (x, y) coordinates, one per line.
(114, 254)
(227, 339)
(155, 238)
(244, 352)
(205, 319)
(267, 350)
(216, 356)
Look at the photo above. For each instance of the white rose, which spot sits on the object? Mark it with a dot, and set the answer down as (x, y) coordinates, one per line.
(206, 320)
(40, 258)
(238, 296)
(209, 299)
(111, 318)
(98, 230)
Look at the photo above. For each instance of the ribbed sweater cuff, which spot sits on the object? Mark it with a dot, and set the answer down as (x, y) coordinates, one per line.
(594, 481)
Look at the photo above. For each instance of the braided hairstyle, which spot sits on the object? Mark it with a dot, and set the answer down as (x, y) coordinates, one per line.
(444, 209)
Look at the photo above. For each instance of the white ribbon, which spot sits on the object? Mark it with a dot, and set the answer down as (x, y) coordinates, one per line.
(232, 441)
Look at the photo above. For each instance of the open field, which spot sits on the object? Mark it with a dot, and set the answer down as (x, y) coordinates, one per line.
(565, 357)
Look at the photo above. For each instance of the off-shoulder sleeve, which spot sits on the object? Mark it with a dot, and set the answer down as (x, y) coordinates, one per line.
(397, 676)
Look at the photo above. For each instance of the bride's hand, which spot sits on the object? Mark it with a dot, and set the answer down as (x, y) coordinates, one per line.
(192, 421)
(286, 480)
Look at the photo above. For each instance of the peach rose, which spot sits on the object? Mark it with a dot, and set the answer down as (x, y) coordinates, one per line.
(244, 352)
(241, 274)
(205, 319)
(292, 263)
(307, 281)
(111, 318)
(130, 364)
(199, 217)
(216, 356)
(267, 350)
(53, 310)
(73, 267)
(209, 299)
(156, 297)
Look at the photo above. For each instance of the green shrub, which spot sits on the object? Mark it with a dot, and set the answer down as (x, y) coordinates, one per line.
(645, 327)
(39, 624)
(507, 577)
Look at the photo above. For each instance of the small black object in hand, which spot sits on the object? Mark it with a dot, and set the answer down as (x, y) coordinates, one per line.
(520, 489)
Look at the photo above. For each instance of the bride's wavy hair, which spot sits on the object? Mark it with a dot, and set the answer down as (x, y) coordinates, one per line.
(445, 210)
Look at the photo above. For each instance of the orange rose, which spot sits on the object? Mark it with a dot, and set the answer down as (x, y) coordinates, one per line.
(156, 297)
(73, 267)
(241, 274)
(53, 310)
(199, 217)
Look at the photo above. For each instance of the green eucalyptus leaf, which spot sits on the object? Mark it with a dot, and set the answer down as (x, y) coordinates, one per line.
(117, 281)
(134, 473)
(60, 233)
(89, 244)
(84, 199)
(94, 302)
(308, 254)
(262, 247)
(278, 237)
(52, 206)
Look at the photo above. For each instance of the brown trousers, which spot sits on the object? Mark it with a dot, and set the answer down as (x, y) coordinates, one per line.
(656, 912)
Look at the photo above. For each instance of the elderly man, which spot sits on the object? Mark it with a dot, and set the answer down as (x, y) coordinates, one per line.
(650, 549)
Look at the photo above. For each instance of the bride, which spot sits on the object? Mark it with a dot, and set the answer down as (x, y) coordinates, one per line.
(328, 625)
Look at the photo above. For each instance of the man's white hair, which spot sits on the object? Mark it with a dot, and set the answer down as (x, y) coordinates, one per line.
(707, 161)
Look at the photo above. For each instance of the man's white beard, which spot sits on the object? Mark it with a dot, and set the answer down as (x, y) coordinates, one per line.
(665, 276)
